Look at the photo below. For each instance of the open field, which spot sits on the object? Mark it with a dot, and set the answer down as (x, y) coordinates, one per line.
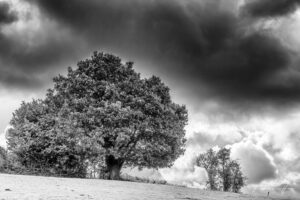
(19, 187)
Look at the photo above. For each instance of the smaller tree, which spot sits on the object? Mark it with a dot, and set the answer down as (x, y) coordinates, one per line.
(237, 178)
(221, 169)
(224, 170)
(209, 162)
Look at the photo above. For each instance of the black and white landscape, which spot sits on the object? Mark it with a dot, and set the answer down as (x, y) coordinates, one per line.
(234, 64)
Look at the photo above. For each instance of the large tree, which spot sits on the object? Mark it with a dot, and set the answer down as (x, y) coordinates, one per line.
(102, 109)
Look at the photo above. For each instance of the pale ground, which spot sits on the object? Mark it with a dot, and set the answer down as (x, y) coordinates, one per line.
(19, 187)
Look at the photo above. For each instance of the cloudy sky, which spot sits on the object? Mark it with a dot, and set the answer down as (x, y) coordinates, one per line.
(234, 64)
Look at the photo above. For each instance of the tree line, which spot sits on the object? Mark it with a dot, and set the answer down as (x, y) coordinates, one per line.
(101, 115)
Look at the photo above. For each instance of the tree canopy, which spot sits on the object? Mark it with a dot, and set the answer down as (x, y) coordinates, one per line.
(104, 111)
(209, 161)
(223, 173)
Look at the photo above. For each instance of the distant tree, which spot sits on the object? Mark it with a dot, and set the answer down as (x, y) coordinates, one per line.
(224, 170)
(221, 169)
(101, 111)
(209, 161)
(237, 178)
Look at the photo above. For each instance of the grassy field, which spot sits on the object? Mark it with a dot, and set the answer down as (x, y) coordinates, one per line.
(19, 187)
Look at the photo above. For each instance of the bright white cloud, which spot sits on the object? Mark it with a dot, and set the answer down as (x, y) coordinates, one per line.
(3, 138)
(256, 163)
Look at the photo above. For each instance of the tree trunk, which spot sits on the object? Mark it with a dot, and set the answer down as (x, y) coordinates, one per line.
(113, 167)
(211, 180)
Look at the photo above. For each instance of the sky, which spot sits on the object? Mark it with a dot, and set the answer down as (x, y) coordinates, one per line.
(233, 63)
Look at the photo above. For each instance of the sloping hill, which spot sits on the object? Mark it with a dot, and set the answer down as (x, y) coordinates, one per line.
(21, 187)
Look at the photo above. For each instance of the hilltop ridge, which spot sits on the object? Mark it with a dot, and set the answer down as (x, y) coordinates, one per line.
(49, 188)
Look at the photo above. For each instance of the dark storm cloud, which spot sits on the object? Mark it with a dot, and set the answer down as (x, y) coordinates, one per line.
(195, 42)
(21, 64)
(25, 57)
(271, 8)
(34, 59)
(200, 44)
(6, 15)
(22, 81)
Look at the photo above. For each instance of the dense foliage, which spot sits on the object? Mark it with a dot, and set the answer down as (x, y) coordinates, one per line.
(3, 158)
(209, 162)
(102, 112)
(223, 173)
